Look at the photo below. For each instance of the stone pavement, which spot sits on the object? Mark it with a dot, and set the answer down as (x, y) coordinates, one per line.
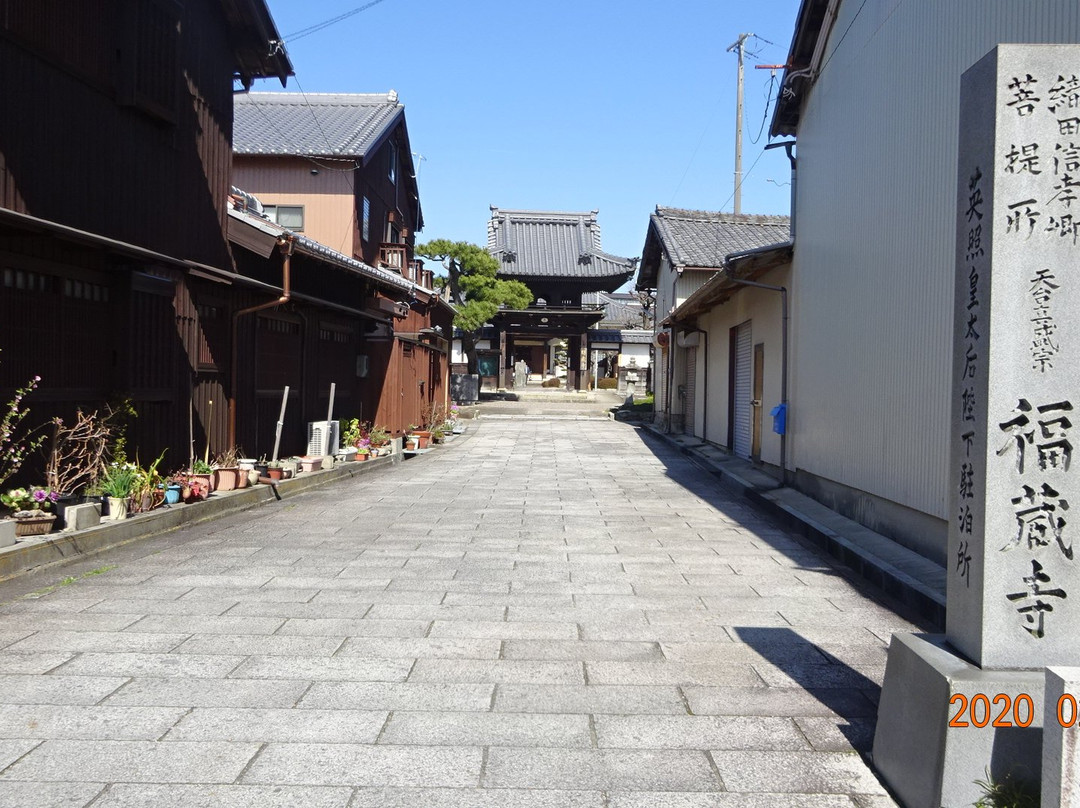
(544, 614)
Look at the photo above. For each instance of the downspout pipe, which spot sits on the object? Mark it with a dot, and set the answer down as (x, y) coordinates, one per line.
(285, 247)
(784, 356)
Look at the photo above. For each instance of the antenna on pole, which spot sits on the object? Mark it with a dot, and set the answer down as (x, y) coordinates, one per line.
(739, 46)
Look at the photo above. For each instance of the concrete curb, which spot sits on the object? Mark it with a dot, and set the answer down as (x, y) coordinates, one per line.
(56, 548)
(902, 574)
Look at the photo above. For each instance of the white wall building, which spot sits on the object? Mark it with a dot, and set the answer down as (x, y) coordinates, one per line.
(872, 94)
(684, 250)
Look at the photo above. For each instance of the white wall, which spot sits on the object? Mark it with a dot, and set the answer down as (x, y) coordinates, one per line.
(639, 353)
(763, 309)
(874, 254)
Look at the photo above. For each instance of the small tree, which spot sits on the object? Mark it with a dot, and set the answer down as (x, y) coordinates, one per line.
(475, 290)
(15, 443)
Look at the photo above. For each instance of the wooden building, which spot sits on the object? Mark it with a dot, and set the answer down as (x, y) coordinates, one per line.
(328, 318)
(115, 152)
(336, 170)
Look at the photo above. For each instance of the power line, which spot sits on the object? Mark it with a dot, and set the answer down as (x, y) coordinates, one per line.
(768, 103)
(314, 29)
(741, 181)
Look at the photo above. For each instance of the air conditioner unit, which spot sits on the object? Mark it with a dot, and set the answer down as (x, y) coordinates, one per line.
(322, 438)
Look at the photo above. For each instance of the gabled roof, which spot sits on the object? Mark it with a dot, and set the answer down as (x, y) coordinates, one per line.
(316, 124)
(552, 244)
(812, 28)
(699, 239)
(255, 42)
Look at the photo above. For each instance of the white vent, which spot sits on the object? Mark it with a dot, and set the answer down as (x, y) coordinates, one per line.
(322, 438)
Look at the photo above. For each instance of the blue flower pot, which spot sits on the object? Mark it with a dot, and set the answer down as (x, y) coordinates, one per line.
(172, 495)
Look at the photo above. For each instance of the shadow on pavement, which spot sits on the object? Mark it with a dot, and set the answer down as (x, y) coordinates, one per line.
(845, 691)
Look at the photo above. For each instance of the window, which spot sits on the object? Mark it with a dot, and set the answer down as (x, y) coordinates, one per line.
(290, 216)
(367, 220)
(393, 161)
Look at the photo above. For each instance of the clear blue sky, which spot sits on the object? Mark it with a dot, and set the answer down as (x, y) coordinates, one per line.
(616, 105)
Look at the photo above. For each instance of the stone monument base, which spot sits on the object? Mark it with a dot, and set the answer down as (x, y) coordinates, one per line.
(927, 762)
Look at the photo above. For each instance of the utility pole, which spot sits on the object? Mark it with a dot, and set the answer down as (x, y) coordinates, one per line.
(739, 46)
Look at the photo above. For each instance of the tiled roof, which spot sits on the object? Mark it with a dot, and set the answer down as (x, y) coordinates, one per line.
(627, 336)
(538, 244)
(698, 238)
(620, 310)
(318, 124)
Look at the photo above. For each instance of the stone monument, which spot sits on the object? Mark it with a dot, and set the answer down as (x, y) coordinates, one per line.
(957, 706)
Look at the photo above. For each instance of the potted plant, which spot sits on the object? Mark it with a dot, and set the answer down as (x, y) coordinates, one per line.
(363, 453)
(29, 508)
(274, 470)
(117, 482)
(310, 463)
(78, 450)
(193, 487)
(227, 476)
(148, 491)
(173, 487)
(291, 466)
(204, 472)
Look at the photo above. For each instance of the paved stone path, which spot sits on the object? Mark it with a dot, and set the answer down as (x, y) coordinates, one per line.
(544, 614)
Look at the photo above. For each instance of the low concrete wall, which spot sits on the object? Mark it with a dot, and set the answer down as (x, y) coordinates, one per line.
(54, 548)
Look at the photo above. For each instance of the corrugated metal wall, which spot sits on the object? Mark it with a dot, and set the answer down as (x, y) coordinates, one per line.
(874, 254)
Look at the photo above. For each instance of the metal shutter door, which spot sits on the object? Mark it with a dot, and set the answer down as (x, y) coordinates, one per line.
(743, 390)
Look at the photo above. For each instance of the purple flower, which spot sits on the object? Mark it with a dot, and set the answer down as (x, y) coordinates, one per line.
(39, 495)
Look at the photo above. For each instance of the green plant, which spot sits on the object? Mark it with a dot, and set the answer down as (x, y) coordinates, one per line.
(378, 436)
(118, 480)
(201, 467)
(22, 500)
(1009, 792)
(148, 490)
(351, 431)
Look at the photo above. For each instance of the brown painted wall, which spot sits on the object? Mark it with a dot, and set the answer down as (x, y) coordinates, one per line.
(126, 141)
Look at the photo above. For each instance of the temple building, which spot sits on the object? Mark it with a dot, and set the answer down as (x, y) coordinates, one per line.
(559, 257)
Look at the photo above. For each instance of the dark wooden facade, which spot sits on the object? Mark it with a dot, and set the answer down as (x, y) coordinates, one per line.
(115, 152)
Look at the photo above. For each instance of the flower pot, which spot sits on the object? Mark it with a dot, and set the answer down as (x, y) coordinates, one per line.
(347, 454)
(253, 477)
(362, 457)
(35, 525)
(275, 474)
(207, 481)
(412, 443)
(261, 469)
(118, 508)
(242, 480)
(172, 494)
(227, 479)
(291, 467)
(310, 463)
(247, 463)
